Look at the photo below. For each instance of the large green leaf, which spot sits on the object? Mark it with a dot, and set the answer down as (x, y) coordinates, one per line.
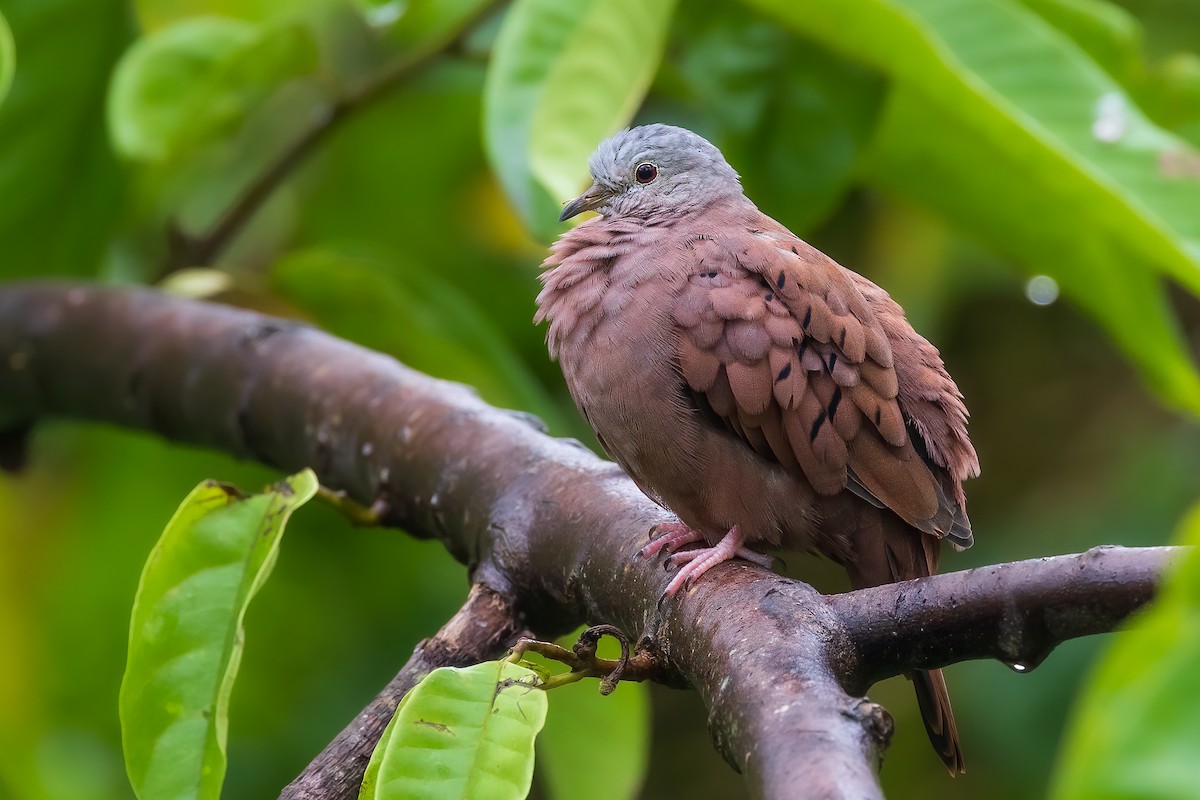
(562, 77)
(61, 187)
(1136, 729)
(8, 57)
(461, 734)
(1006, 126)
(185, 638)
(187, 84)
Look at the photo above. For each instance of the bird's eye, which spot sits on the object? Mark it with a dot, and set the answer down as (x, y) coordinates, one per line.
(646, 172)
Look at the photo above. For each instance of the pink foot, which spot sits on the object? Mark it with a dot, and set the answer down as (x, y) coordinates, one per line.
(668, 537)
(700, 560)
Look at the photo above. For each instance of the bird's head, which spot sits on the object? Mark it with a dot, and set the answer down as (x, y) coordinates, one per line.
(654, 170)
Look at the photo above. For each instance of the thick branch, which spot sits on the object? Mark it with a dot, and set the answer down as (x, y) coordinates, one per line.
(482, 629)
(1016, 613)
(542, 520)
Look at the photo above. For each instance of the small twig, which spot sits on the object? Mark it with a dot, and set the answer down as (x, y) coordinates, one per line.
(360, 516)
(584, 663)
(201, 250)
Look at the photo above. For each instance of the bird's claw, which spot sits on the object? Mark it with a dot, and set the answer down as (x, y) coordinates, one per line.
(668, 537)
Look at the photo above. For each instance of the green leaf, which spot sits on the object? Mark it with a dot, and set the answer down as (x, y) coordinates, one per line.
(63, 188)
(562, 77)
(605, 738)
(185, 638)
(195, 81)
(421, 25)
(8, 57)
(460, 734)
(1109, 34)
(1136, 727)
(1005, 126)
(1172, 95)
(155, 14)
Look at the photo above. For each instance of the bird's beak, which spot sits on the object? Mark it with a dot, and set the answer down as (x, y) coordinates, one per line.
(595, 195)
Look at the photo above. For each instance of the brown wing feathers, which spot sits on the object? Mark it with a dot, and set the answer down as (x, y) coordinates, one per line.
(787, 351)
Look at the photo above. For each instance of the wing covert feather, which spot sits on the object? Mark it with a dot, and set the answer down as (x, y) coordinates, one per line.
(786, 348)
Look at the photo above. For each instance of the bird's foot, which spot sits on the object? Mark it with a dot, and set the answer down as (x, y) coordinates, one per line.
(668, 537)
(696, 562)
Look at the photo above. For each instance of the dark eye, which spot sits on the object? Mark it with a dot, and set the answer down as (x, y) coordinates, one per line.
(645, 173)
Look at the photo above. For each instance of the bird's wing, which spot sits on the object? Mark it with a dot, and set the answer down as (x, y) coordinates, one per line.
(779, 344)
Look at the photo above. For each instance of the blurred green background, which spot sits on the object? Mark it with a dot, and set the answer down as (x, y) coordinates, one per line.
(950, 150)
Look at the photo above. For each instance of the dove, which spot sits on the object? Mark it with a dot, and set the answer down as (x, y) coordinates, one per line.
(766, 395)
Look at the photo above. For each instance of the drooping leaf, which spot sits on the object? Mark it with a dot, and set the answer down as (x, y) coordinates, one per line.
(62, 186)
(1137, 723)
(1006, 126)
(461, 734)
(194, 81)
(185, 637)
(562, 77)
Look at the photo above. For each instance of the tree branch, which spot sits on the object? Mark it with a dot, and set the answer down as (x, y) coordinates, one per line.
(187, 250)
(544, 521)
(1016, 613)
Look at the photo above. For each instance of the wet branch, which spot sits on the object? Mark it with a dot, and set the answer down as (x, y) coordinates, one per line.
(545, 528)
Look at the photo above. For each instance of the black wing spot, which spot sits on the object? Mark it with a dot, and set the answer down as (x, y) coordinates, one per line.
(918, 441)
(878, 414)
(816, 426)
(783, 373)
(832, 361)
(807, 317)
(795, 252)
(842, 339)
(803, 346)
(768, 297)
(779, 280)
(834, 401)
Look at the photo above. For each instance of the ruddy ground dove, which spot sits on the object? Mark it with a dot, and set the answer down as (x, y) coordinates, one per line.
(747, 382)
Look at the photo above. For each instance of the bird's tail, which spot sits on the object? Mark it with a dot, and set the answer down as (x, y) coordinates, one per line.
(886, 550)
(934, 701)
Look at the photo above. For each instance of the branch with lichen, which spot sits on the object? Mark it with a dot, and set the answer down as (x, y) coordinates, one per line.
(780, 667)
